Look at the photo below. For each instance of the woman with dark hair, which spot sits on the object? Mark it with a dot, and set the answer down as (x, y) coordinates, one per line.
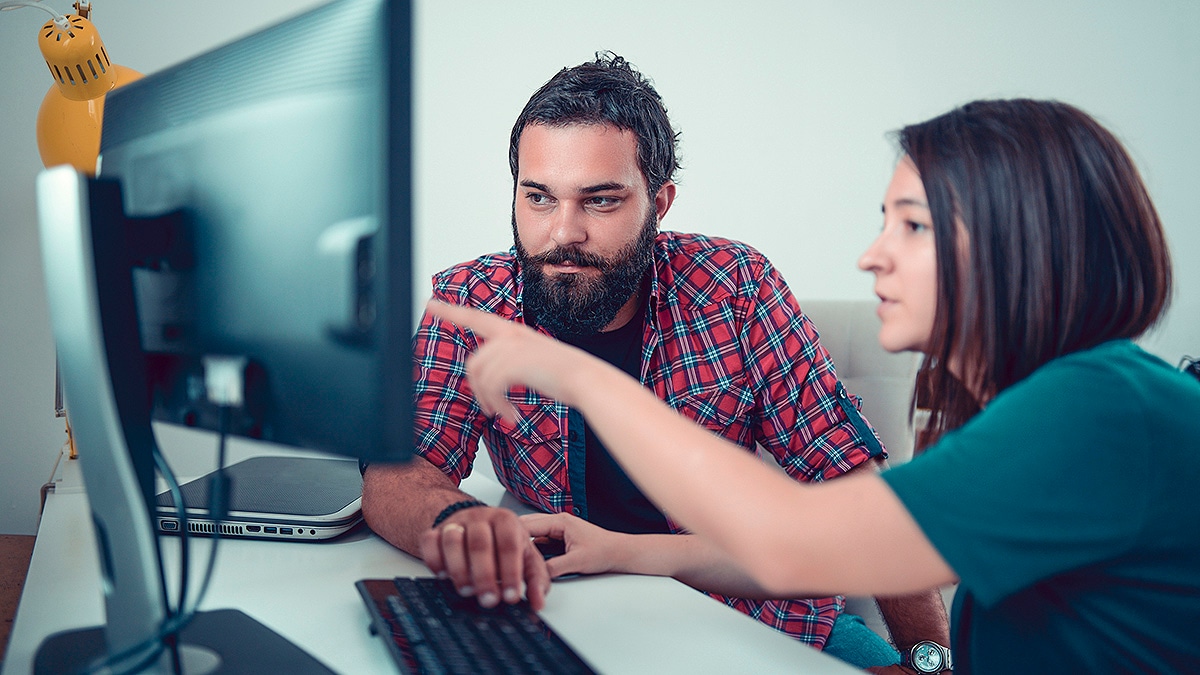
(1021, 254)
(1076, 255)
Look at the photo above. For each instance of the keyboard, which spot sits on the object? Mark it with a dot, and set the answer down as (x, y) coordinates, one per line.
(430, 628)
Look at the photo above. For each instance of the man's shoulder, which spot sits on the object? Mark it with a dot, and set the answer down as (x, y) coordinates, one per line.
(487, 282)
(702, 269)
(682, 247)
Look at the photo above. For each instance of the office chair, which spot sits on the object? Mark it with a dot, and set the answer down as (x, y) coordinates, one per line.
(849, 330)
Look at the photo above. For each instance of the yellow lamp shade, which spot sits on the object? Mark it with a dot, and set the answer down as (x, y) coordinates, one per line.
(69, 120)
(68, 132)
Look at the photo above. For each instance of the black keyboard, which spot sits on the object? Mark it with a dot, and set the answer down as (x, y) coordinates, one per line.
(429, 628)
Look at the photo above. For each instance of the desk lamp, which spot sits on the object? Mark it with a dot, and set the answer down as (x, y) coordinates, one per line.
(69, 119)
(68, 122)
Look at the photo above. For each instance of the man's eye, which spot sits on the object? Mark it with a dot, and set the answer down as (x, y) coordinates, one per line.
(537, 198)
(604, 202)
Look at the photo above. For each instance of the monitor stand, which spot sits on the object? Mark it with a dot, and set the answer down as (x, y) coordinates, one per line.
(224, 641)
(92, 309)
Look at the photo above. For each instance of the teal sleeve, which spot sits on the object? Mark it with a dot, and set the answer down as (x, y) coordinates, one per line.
(1052, 476)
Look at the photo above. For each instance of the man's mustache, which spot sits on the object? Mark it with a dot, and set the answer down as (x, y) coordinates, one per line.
(574, 256)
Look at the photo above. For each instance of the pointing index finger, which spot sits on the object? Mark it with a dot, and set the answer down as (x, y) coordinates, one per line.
(481, 323)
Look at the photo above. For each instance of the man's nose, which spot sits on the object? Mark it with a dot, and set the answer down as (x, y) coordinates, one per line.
(569, 227)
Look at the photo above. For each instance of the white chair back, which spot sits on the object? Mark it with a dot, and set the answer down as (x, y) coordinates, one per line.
(849, 331)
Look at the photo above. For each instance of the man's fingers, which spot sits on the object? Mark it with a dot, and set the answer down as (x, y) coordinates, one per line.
(431, 551)
(481, 549)
(486, 553)
(537, 578)
(511, 539)
(452, 538)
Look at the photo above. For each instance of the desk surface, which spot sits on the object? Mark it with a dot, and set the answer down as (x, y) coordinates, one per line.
(305, 591)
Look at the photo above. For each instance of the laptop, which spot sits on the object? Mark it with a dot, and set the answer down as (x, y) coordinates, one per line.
(282, 498)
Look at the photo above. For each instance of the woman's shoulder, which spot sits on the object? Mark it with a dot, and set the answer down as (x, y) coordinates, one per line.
(1115, 392)
(1114, 367)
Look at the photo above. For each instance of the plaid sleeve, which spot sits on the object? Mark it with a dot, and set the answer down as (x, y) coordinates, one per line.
(806, 419)
(809, 621)
(447, 421)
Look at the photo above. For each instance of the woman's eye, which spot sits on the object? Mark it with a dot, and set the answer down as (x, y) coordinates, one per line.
(915, 226)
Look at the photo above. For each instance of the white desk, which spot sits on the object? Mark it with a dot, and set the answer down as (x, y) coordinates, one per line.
(305, 591)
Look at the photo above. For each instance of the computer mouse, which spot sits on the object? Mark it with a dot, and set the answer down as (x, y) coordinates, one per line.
(550, 548)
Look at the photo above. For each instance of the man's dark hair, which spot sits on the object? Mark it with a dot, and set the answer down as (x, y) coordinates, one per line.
(606, 91)
(1047, 243)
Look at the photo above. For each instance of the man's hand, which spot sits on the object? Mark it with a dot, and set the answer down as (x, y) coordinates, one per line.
(489, 554)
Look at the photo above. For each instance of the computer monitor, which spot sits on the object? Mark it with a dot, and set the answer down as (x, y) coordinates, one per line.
(241, 263)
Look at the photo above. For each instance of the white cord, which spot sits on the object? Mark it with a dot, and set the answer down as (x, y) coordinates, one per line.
(225, 379)
(60, 20)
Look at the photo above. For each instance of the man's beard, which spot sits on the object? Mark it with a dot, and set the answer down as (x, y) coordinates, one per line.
(576, 304)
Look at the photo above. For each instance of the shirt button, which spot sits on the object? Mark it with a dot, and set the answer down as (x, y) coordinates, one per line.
(576, 510)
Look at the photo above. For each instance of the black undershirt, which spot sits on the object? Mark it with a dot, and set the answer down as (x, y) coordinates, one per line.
(613, 501)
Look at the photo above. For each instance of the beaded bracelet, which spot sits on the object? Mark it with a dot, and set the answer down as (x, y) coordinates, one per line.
(455, 508)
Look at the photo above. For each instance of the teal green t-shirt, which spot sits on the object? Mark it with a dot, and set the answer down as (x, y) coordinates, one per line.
(1070, 510)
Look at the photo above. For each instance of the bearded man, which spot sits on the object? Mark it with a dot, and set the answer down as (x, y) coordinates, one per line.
(708, 324)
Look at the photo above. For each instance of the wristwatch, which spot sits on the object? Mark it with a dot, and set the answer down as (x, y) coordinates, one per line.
(927, 657)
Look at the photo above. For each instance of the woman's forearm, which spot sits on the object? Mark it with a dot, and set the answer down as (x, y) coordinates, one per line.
(689, 559)
(790, 539)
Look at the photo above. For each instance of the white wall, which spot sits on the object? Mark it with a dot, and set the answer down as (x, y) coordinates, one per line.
(784, 107)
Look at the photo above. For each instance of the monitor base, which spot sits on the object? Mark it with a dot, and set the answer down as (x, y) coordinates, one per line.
(223, 641)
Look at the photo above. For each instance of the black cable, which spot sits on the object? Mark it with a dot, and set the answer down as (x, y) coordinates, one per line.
(168, 636)
(170, 624)
(178, 618)
(1191, 366)
(164, 469)
(218, 503)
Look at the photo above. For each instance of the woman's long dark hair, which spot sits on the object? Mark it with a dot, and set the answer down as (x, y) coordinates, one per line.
(1047, 244)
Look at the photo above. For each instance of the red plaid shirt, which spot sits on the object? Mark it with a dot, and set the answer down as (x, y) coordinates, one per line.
(725, 344)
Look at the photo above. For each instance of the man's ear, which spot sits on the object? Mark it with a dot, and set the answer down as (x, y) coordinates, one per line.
(664, 199)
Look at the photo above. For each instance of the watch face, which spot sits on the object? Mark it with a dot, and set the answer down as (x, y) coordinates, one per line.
(927, 658)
